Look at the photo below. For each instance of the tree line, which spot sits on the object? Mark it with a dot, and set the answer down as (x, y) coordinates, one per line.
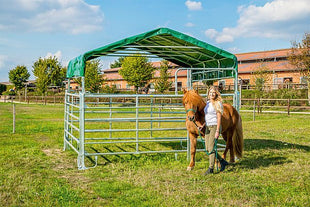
(138, 71)
(135, 69)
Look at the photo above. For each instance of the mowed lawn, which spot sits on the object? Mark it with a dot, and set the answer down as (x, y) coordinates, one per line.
(35, 171)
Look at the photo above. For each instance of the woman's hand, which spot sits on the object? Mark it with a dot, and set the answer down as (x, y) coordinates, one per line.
(217, 134)
(201, 127)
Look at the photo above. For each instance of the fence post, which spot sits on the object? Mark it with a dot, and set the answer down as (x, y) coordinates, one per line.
(288, 106)
(258, 105)
(254, 111)
(14, 118)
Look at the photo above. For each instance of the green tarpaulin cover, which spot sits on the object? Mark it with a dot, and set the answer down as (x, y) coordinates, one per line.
(165, 43)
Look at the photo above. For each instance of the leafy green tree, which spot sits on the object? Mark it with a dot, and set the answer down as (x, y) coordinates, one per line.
(262, 75)
(19, 76)
(48, 72)
(93, 76)
(136, 70)
(300, 58)
(117, 63)
(2, 88)
(162, 83)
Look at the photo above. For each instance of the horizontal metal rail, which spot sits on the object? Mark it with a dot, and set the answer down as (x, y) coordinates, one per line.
(99, 95)
(133, 112)
(134, 152)
(134, 141)
(133, 130)
(145, 119)
(132, 138)
(73, 94)
(139, 107)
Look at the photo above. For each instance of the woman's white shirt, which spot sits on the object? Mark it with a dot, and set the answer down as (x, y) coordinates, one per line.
(210, 114)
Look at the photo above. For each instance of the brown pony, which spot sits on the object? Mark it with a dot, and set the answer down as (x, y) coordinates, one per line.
(231, 125)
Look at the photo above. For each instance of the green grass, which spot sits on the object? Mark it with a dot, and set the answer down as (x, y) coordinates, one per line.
(34, 171)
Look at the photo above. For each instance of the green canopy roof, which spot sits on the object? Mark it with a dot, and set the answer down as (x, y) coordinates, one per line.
(165, 43)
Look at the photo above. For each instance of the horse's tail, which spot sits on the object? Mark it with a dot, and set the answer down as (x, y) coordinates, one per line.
(238, 139)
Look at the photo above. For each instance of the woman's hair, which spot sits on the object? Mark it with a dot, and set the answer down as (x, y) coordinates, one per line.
(217, 103)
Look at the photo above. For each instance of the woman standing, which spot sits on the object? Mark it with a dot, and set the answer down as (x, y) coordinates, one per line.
(213, 114)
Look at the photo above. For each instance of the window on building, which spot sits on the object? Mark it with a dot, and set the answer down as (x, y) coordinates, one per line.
(303, 80)
(179, 84)
(245, 83)
(282, 82)
(277, 82)
(287, 80)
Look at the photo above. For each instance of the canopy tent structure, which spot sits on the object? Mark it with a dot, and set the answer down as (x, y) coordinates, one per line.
(205, 61)
(202, 61)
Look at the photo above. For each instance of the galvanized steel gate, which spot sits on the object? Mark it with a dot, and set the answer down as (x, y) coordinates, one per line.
(123, 124)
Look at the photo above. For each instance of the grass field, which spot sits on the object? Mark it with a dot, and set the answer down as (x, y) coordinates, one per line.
(35, 171)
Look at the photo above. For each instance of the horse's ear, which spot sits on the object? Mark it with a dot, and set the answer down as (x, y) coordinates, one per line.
(184, 90)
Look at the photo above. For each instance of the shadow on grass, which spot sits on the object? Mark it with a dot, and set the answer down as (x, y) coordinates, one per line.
(264, 157)
(254, 162)
(261, 144)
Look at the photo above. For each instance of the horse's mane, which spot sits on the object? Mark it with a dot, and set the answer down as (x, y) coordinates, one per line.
(193, 97)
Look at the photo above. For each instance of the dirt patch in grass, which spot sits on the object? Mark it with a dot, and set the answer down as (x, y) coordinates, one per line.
(66, 168)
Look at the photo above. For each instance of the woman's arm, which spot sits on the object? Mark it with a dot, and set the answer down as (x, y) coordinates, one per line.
(202, 126)
(219, 119)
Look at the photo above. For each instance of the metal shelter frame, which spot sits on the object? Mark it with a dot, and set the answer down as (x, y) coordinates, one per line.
(92, 120)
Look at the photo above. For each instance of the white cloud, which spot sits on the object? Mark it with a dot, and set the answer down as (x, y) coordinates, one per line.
(193, 5)
(57, 55)
(189, 24)
(276, 19)
(70, 16)
(211, 33)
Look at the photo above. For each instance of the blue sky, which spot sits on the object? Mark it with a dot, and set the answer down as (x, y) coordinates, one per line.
(30, 29)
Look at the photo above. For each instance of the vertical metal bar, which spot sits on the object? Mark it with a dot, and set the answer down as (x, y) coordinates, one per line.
(137, 123)
(160, 109)
(151, 133)
(68, 85)
(71, 107)
(81, 156)
(65, 122)
(110, 122)
(176, 81)
(83, 84)
(237, 95)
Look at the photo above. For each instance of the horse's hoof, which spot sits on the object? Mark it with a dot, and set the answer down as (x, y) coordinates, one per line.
(189, 168)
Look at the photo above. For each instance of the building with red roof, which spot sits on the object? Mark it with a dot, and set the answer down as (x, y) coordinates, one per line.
(275, 61)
